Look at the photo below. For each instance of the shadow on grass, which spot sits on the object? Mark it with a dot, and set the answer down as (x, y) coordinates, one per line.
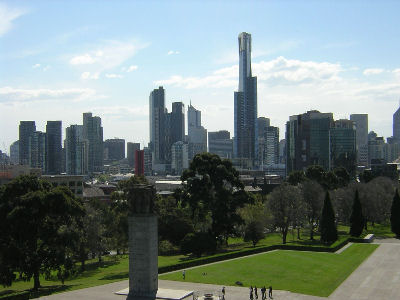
(48, 290)
(116, 276)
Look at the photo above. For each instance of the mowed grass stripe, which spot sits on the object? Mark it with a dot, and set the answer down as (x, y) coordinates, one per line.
(311, 273)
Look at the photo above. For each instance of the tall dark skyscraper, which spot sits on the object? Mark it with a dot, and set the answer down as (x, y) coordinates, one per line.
(77, 151)
(26, 129)
(245, 143)
(396, 125)
(177, 122)
(114, 149)
(157, 113)
(53, 147)
(37, 150)
(131, 149)
(93, 132)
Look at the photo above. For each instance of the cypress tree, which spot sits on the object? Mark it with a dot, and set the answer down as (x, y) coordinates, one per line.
(356, 218)
(328, 227)
(395, 215)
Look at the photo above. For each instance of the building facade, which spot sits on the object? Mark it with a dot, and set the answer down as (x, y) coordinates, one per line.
(197, 134)
(361, 124)
(37, 150)
(157, 113)
(93, 133)
(54, 147)
(114, 149)
(180, 157)
(131, 149)
(77, 151)
(245, 105)
(26, 129)
(14, 153)
(220, 143)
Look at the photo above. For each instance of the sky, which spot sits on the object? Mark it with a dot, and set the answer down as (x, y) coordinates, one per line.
(59, 59)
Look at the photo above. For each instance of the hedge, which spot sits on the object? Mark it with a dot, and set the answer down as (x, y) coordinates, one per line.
(230, 255)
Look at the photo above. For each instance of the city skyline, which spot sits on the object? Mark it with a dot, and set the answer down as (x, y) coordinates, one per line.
(58, 61)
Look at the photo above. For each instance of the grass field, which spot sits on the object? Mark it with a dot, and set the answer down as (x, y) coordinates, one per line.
(309, 273)
(112, 270)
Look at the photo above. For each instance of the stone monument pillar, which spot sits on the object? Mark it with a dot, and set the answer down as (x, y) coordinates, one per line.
(143, 244)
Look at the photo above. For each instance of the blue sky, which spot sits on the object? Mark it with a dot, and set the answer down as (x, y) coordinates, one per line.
(59, 59)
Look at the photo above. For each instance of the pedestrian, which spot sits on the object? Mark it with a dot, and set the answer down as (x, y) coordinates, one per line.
(270, 292)
(251, 292)
(223, 293)
(255, 292)
(263, 290)
(184, 274)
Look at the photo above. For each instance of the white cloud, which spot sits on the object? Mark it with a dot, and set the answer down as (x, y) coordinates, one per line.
(131, 68)
(7, 16)
(106, 56)
(279, 71)
(10, 94)
(373, 71)
(85, 59)
(88, 75)
(114, 76)
(36, 66)
(171, 52)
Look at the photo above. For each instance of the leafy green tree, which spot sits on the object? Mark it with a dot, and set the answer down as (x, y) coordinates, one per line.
(316, 173)
(356, 218)
(254, 232)
(313, 194)
(174, 221)
(198, 243)
(35, 222)
(296, 177)
(285, 202)
(342, 175)
(395, 215)
(327, 224)
(211, 188)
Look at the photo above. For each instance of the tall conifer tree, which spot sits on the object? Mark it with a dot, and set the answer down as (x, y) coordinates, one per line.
(356, 218)
(395, 215)
(328, 226)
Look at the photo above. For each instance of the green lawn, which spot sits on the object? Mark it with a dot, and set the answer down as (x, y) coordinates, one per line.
(310, 273)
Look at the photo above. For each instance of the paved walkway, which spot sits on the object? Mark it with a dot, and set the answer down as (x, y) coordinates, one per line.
(378, 277)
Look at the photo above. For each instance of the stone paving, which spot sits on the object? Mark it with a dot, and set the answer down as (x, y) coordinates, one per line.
(378, 277)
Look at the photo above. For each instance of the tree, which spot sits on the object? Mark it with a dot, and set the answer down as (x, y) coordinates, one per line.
(254, 232)
(285, 202)
(342, 175)
(211, 188)
(36, 222)
(327, 225)
(395, 215)
(356, 218)
(296, 177)
(198, 243)
(313, 199)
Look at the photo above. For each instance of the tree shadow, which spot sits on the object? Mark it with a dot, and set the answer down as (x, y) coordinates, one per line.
(48, 290)
(116, 276)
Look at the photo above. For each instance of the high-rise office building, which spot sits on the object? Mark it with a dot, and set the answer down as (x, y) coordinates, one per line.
(114, 149)
(37, 150)
(271, 145)
(131, 148)
(220, 143)
(308, 141)
(139, 162)
(197, 134)
(180, 157)
(157, 113)
(396, 125)
(262, 122)
(26, 129)
(245, 140)
(343, 145)
(177, 122)
(148, 161)
(361, 123)
(77, 151)
(54, 147)
(14, 153)
(93, 133)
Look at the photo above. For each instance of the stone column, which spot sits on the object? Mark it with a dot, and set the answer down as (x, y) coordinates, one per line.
(143, 244)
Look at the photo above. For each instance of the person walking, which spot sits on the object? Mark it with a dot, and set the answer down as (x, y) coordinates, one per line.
(251, 292)
(255, 292)
(184, 274)
(223, 293)
(270, 292)
(263, 290)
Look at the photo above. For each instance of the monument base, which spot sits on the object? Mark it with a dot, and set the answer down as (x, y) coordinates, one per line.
(167, 294)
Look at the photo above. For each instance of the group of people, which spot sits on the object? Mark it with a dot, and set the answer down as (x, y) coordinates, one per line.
(263, 293)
